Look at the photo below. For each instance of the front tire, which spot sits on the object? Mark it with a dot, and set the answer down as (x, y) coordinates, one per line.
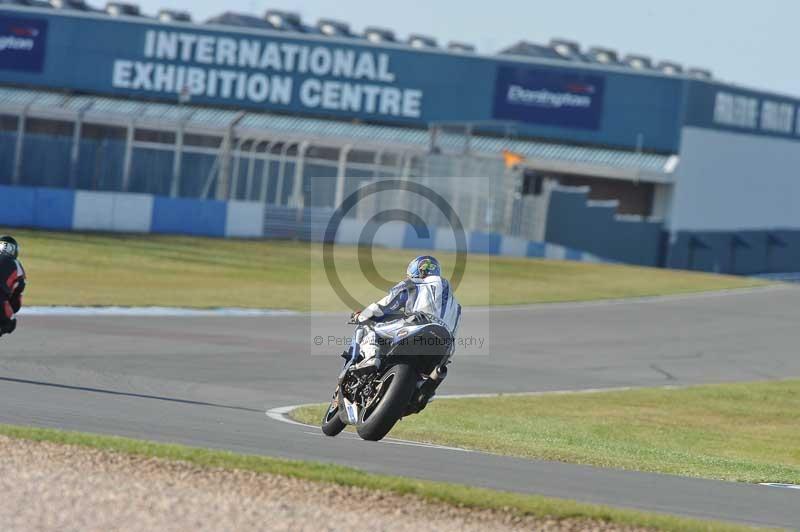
(400, 383)
(331, 424)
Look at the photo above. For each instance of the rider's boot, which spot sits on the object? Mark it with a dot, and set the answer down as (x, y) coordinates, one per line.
(425, 393)
(369, 348)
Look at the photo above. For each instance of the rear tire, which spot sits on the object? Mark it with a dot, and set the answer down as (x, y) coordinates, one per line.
(331, 424)
(392, 404)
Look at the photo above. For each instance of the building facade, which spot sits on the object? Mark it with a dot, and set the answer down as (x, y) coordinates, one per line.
(628, 165)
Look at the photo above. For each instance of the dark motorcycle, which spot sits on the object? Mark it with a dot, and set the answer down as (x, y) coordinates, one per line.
(411, 363)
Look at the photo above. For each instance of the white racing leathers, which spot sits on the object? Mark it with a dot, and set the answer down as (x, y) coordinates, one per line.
(431, 295)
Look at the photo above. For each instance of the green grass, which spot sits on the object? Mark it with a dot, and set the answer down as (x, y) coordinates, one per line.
(739, 432)
(134, 270)
(453, 494)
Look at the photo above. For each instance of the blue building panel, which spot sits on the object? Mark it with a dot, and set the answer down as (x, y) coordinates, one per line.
(574, 223)
(736, 252)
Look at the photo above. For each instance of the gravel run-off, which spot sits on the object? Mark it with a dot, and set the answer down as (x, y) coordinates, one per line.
(48, 486)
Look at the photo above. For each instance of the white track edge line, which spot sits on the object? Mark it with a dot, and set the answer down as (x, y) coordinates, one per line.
(281, 413)
(780, 485)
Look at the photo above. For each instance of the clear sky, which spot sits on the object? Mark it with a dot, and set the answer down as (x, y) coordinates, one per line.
(749, 43)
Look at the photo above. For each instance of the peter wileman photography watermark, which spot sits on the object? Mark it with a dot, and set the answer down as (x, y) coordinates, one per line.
(460, 342)
(367, 236)
(374, 219)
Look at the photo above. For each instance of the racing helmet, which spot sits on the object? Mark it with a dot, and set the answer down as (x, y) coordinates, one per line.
(422, 267)
(9, 246)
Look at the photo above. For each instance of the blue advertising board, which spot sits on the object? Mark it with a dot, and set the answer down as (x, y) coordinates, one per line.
(22, 43)
(344, 78)
(556, 98)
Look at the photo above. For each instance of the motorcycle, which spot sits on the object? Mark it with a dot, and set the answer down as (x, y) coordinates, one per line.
(411, 363)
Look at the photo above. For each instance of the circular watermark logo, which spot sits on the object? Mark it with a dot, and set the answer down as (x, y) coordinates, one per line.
(366, 239)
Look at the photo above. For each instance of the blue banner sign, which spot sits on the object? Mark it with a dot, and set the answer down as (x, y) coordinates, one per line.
(22, 44)
(556, 98)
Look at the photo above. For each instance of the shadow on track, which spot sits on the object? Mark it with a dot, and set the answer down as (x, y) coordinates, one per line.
(129, 394)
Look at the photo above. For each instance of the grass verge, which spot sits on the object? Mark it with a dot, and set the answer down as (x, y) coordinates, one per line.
(738, 432)
(454, 494)
(153, 270)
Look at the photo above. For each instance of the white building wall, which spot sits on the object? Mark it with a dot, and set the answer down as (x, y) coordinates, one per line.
(662, 202)
(732, 181)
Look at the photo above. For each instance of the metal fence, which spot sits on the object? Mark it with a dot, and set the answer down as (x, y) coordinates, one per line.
(176, 161)
(188, 152)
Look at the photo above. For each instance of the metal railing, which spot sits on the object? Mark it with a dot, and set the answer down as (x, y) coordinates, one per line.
(180, 151)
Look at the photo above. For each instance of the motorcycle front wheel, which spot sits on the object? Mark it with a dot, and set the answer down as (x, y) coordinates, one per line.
(397, 386)
(331, 423)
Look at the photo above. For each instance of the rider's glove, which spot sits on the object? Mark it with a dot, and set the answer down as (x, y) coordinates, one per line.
(8, 327)
(372, 311)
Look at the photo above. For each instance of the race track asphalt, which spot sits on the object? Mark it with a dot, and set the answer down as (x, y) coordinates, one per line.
(207, 381)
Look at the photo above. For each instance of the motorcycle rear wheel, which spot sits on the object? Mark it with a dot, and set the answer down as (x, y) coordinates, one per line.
(400, 382)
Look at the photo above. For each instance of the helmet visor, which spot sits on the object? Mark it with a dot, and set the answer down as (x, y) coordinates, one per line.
(428, 267)
(8, 248)
(422, 267)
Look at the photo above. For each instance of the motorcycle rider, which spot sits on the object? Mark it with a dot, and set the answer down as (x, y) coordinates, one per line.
(423, 291)
(12, 284)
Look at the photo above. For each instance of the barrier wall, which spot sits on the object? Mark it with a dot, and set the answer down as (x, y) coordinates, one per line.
(575, 222)
(62, 209)
(736, 252)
